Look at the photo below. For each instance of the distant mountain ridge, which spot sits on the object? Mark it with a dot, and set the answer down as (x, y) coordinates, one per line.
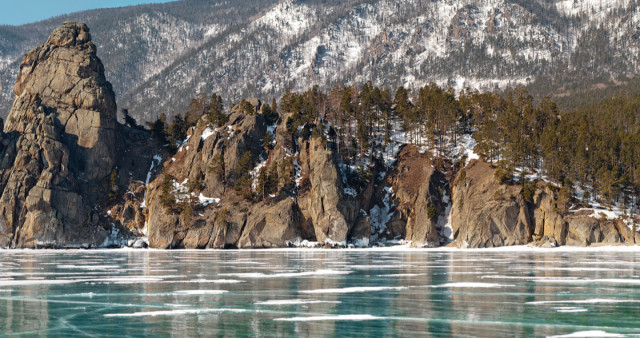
(160, 56)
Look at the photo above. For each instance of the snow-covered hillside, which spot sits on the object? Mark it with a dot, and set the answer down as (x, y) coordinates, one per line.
(159, 60)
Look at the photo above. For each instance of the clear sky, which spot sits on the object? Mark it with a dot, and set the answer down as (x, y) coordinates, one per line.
(18, 12)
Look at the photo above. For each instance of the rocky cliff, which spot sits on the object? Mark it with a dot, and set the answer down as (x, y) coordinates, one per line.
(486, 213)
(193, 203)
(314, 208)
(58, 146)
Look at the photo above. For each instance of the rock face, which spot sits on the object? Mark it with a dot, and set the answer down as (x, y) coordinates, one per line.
(418, 189)
(486, 214)
(330, 211)
(58, 145)
(408, 203)
(315, 208)
(206, 148)
(66, 79)
(548, 222)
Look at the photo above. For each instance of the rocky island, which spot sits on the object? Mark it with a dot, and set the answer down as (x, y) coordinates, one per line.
(73, 176)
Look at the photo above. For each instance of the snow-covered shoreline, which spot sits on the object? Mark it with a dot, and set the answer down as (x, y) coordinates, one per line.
(400, 248)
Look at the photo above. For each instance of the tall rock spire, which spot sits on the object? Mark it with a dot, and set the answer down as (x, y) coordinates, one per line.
(58, 146)
(65, 77)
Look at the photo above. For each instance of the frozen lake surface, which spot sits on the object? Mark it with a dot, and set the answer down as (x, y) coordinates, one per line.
(321, 293)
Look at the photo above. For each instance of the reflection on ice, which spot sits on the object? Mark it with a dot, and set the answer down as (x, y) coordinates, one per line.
(469, 285)
(591, 333)
(329, 318)
(296, 302)
(584, 301)
(569, 309)
(173, 312)
(322, 272)
(356, 289)
(514, 292)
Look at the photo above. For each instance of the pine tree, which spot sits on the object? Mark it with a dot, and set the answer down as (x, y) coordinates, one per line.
(215, 111)
(242, 175)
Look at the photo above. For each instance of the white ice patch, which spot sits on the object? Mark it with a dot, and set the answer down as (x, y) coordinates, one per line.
(36, 282)
(470, 285)
(350, 192)
(321, 272)
(256, 172)
(208, 132)
(302, 243)
(272, 130)
(184, 143)
(591, 333)
(381, 266)
(380, 216)
(592, 281)
(173, 312)
(158, 159)
(88, 267)
(296, 302)
(180, 190)
(361, 243)
(333, 244)
(205, 201)
(444, 221)
(465, 146)
(298, 171)
(334, 318)
(585, 301)
(199, 292)
(570, 309)
(599, 212)
(205, 281)
(124, 280)
(355, 289)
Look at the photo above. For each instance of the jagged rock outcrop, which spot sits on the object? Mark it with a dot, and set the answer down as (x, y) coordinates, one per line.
(548, 222)
(321, 207)
(584, 230)
(58, 146)
(315, 208)
(486, 213)
(66, 79)
(271, 226)
(331, 212)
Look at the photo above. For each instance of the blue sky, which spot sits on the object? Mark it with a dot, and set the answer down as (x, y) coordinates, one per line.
(18, 12)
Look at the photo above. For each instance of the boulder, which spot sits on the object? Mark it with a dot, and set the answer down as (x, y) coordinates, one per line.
(140, 244)
(630, 236)
(585, 230)
(274, 226)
